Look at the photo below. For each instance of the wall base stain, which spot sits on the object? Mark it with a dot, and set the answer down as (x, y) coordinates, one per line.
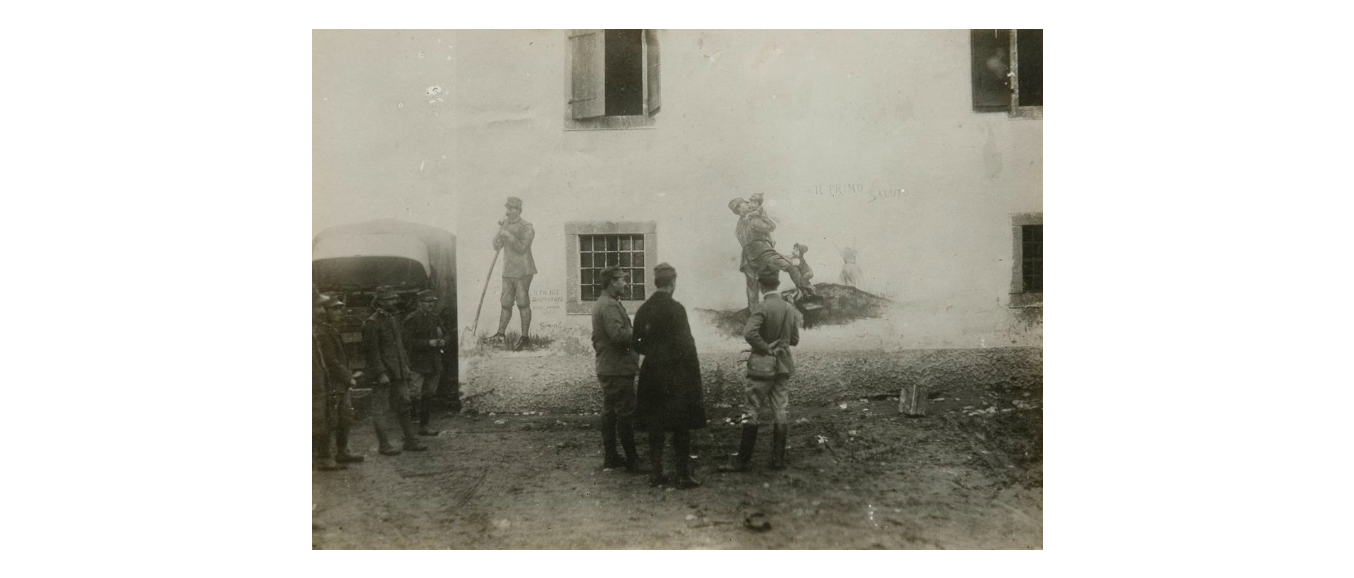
(568, 384)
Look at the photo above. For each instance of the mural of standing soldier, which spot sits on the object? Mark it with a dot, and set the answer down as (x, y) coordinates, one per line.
(759, 250)
(514, 237)
(426, 337)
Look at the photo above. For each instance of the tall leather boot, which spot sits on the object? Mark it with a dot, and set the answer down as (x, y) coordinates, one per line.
(612, 457)
(656, 478)
(425, 417)
(504, 316)
(626, 429)
(341, 441)
(383, 440)
(524, 341)
(743, 460)
(411, 443)
(324, 459)
(681, 445)
(779, 436)
(380, 419)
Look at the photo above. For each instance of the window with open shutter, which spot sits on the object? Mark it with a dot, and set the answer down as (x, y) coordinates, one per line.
(1029, 65)
(991, 68)
(625, 72)
(613, 79)
(588, 97)
(1008, 71)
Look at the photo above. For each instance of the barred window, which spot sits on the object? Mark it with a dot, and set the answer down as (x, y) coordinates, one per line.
(612, 80)
(590, 246)
(1032, 258)
(597, 252)
(1027, 263)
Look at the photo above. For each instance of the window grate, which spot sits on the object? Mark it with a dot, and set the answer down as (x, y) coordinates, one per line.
(597, 252)
(1032, 258)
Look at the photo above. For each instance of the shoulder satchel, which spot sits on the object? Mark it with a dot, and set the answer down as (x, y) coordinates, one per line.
(762, 365)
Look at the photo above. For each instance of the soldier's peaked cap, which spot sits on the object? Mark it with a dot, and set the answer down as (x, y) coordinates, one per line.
(513, 202)
(386, 292)
(427, 295)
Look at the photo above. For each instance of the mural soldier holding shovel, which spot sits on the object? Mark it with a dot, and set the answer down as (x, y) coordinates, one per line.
(514, 238)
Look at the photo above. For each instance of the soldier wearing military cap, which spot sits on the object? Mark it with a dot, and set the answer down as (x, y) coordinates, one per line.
(319, 396)
(771, 329)
(514, 237)
(335, 404)
(759, 249)
(617, 364)
(388, 364)
(669, 397)
(426, 337)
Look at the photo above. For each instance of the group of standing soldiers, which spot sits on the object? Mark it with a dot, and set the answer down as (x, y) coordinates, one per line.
(404, 361)
(403, 357)
(668, 396)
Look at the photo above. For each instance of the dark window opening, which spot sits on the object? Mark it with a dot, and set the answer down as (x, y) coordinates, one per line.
(991, 63)
(1030, 65)
(624, 73)
(597, 252)
(1001, 58)
(1032, 258)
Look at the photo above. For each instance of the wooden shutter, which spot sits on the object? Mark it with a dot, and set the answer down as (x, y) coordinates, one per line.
(651, 43)
(588, 97)
(991, 63)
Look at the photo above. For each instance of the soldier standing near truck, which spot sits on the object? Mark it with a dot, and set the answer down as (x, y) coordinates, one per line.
(388, 364)
(338, 403)
(425, 336)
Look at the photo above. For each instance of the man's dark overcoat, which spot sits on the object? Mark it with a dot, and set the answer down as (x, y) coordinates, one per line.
(669, 394)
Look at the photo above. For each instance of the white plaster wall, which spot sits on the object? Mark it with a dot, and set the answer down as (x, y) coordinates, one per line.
(822, 123)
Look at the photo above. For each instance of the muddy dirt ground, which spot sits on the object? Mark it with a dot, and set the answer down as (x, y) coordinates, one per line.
(968, 475)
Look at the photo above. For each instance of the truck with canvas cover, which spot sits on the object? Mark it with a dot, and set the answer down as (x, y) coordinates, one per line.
(351, 261)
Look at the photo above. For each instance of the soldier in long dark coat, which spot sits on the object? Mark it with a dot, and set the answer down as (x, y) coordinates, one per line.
(388, 364)
(669, 396)
(425, 337)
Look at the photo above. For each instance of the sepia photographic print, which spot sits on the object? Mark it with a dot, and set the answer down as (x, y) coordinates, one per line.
(677, 289)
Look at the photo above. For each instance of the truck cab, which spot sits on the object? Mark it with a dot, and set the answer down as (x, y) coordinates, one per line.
(352, 266)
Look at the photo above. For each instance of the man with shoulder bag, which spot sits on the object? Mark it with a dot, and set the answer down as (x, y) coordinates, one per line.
(772, 329)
